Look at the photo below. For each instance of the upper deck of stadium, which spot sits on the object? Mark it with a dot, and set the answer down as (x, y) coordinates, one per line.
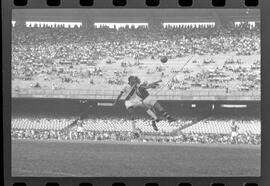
(202, 66)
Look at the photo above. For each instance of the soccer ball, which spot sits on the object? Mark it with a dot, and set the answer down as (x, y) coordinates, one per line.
(163, 59)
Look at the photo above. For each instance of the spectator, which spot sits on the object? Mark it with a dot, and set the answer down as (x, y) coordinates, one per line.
(68, 56)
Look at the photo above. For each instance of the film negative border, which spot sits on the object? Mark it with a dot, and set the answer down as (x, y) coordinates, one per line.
(148, 3)
(137, 4)
(8, 5)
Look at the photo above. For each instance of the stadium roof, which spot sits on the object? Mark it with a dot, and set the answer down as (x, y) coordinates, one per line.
(134, 15)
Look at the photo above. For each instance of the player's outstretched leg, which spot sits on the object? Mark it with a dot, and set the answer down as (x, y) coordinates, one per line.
(154, 125)
(154, 117)
(159, 108)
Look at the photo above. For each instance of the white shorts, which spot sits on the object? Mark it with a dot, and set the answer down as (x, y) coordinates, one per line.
(149, 101)
(80, 129)
(234, 134)
(133, 103)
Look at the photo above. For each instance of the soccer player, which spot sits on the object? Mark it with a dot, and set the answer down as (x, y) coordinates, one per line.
(138, 96)
(149, 101)
(234, 132)
(80, 129)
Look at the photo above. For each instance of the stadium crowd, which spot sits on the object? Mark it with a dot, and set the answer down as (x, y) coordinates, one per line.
(120, 130)
(233, 73)
(95, 124)
(73, 55)
(80, 44)
(245, 138)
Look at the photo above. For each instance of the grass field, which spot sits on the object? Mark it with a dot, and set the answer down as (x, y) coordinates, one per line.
(85, 159)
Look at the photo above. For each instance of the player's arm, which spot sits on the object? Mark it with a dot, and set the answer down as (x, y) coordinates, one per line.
(151, 85)
(118, 98)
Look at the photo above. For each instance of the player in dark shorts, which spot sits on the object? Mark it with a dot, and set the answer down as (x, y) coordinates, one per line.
(138, 96)
(150, 102)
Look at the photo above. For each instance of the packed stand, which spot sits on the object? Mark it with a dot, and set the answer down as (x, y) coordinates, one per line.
(75, 57)
(197, 138)
(108, 124)
(207, 131)
(214, 125)
(229, 75)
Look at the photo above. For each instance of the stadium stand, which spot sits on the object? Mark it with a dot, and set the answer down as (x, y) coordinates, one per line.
(209, 130)
(77, 58)
(125, 125)
(204, 60)
(223, 126)
(98, 124)
(40, 123)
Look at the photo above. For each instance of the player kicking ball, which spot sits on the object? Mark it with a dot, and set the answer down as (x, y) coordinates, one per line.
(137, 96)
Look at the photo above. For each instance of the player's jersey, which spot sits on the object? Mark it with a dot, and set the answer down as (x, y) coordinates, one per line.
(142, 92)
(234, 128)
(80, 127)
(130, 92)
